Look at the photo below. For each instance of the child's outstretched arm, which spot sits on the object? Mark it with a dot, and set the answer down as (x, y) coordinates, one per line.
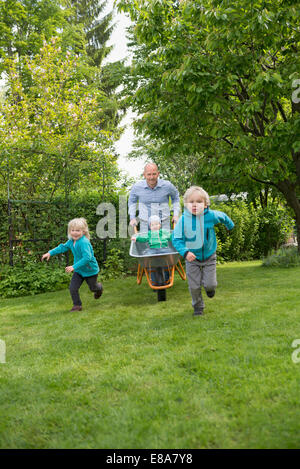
(221, 217)
(58, 250)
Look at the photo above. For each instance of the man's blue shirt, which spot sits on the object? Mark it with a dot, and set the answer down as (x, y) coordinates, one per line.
(153, 201)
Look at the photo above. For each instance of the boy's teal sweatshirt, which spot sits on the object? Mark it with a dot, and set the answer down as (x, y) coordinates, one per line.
(195, 233)
(85, 263)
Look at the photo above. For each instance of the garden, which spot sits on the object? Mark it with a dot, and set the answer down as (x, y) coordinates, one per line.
(214, 86)
(129, 372)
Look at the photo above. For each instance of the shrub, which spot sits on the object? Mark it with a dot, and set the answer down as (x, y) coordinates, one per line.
(31, 279)
(114, 265)
(274, 225)
(238, 244)
(283, 257)
(256, 233)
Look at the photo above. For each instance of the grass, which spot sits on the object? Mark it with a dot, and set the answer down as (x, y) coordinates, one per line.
(129, 372)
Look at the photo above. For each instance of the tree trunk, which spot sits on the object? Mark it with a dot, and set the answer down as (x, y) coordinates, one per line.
(289, 192)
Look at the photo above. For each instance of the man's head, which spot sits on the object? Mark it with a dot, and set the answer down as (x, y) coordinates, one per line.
(151, 174)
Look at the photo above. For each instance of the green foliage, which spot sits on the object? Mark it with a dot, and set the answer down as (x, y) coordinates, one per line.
(47, 222)
(213, 82)
(240, 243)
(31, 279)
(283, 257)
(24, 24)
(275, 226)
(114, 266)
(51, 136)
(97, 28)
(256, 231)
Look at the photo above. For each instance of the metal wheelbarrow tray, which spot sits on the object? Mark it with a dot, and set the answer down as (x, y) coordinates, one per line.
(166, 258)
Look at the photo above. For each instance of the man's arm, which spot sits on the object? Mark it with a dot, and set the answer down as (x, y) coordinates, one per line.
(174, 194)
(132, 201)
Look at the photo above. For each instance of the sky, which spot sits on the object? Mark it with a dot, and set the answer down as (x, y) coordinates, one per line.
(118, 39)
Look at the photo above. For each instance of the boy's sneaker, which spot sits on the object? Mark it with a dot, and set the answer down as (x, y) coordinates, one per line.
(76, 308)
(211, 293)
(98, 293)
(198, 312)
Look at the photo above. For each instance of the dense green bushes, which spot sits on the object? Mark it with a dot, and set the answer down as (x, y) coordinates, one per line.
(257, 232)
(31, 279)
(284, 257)
(47, 223)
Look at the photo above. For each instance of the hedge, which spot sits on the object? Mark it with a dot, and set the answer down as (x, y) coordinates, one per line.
(257, 232)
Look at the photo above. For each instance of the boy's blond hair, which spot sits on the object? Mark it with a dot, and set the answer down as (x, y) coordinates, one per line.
(204, 195)
(81, 224)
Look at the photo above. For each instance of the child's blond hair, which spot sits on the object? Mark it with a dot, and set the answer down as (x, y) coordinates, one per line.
(81, 224)
(204, 195)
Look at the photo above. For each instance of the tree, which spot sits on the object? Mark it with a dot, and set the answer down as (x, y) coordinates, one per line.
(24, 24)
(97, 27)
(216, 79)
(49, 135)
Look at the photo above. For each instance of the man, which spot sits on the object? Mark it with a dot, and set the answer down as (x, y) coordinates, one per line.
(153, 194)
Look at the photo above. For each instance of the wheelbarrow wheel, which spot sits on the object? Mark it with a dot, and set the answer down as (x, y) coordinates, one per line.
(161, 295)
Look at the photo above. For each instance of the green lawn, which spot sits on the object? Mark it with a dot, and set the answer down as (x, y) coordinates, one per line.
(129, 372)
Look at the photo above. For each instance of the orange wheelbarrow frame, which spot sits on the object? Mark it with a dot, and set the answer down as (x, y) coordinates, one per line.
(143, 270)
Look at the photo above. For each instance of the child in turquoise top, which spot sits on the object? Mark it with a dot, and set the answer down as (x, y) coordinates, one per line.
(85, 265)
(195, 239)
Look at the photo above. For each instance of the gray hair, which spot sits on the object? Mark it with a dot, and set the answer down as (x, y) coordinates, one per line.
(154, 218)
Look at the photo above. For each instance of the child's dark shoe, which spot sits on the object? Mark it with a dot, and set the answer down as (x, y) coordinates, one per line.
(198, 312)
(211, 293)
(76, 308)
(98, 293)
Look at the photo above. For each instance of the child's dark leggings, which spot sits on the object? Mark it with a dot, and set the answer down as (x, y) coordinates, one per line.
(76, 283)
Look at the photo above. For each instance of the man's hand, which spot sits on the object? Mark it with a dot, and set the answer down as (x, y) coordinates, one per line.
(69, 269)
(175, 219)
(190, 256)
(133, 222)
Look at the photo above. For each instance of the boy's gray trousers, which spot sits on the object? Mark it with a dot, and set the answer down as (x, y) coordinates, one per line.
(201, 273)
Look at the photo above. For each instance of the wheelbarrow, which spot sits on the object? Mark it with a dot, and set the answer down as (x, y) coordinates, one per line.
(159, 268)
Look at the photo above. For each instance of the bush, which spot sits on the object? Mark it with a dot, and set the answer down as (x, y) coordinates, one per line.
(238, 244)
(274, 225)
(256, 233)
(114, 265)
(283, 257)
(31, 279)
(46, 223)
